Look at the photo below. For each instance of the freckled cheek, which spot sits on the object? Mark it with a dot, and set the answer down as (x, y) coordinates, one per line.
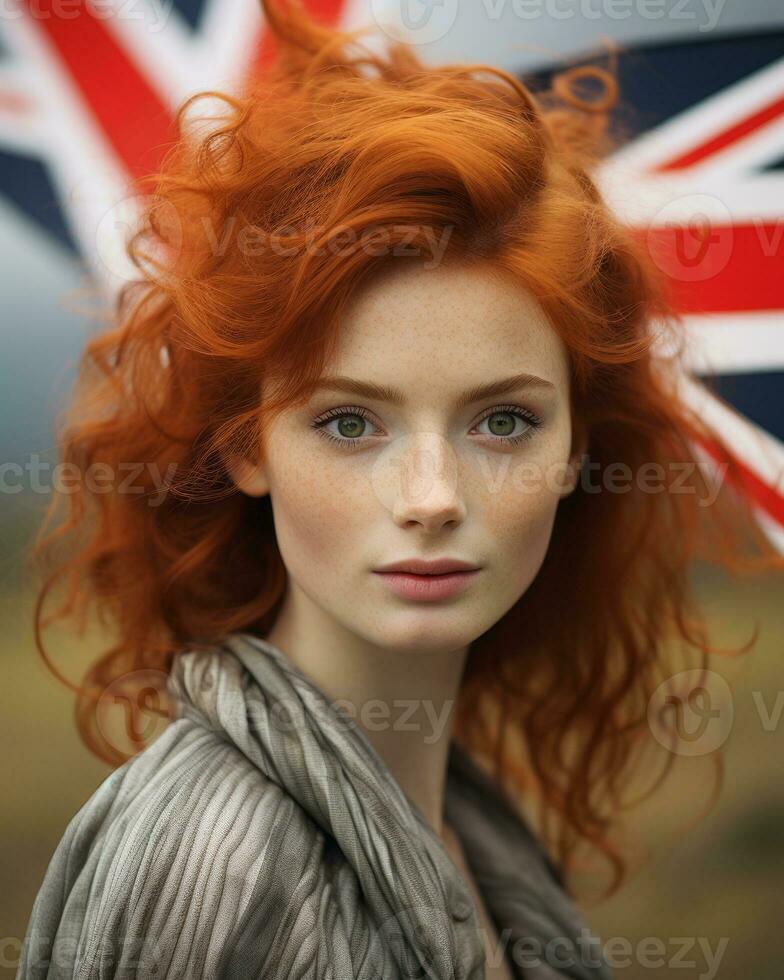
(519, 517)
(318, 518)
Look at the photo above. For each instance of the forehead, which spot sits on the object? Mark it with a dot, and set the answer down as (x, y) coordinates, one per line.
(449, 325)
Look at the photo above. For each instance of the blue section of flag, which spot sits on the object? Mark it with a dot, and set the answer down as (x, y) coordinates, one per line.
(777, 164)
(659, 81)
(757, 396)
(25, 181)
(189, 10)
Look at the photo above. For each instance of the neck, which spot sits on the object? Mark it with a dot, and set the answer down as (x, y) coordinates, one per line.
(403, 700)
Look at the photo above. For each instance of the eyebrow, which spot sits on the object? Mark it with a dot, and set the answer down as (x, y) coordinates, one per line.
(383, 393)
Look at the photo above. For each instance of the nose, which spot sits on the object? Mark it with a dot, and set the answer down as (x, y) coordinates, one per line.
(427, 491)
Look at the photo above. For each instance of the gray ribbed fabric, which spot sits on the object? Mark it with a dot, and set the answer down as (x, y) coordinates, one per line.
(262, 836)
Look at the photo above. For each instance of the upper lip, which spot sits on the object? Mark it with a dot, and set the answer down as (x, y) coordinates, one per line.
(437, 566)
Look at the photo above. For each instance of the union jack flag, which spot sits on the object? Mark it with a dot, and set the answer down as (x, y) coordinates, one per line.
(706, 188)
(88, 90)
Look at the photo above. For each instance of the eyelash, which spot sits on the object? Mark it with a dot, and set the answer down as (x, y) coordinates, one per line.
(335, 413)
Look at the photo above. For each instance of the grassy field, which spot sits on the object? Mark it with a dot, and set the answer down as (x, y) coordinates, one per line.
(703, 899)
(715, 882)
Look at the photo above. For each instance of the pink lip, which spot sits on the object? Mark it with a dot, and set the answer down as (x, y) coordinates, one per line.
(427, 588)
(428, 566)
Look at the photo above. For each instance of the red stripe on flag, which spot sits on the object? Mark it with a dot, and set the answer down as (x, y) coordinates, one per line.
(725, 138)
(762, 494)
(133, 118)
(720, 269)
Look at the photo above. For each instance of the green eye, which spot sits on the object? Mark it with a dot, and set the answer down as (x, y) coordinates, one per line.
(501, 423)
(351, 426)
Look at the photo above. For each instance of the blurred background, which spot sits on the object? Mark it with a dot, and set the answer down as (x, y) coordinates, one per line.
(87, 96)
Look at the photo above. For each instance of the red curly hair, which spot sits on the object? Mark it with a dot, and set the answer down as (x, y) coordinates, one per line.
(336, 137)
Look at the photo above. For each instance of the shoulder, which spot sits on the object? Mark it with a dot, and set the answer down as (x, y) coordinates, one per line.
(164, 864)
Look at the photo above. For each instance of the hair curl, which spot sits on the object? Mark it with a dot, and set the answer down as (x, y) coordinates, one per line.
(333, 136)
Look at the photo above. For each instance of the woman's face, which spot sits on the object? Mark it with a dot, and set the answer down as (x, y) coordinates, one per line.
(358, 481)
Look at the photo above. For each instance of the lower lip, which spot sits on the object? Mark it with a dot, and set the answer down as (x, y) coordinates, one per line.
(428, 587)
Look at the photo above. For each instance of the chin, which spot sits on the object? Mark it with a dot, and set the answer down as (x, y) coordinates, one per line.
(429, 633)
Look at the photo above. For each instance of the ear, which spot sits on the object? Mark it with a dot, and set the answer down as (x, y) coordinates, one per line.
(249, 477)
(574, 465)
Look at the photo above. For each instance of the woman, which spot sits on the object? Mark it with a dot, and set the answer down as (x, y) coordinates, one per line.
(387, 342)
